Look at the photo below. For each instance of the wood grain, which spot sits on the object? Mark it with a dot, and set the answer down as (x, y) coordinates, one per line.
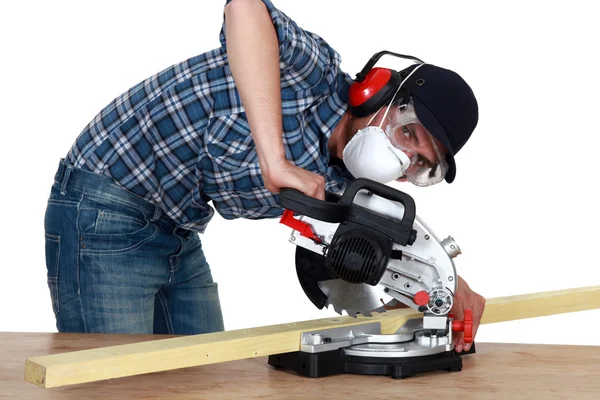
(496, 372)
(174, 353)
(531, 305)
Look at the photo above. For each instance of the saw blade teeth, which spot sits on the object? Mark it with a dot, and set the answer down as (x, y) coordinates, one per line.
(335, 308)
(353, 313)
(379, 310)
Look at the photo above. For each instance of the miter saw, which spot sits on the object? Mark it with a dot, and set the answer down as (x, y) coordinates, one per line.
(366, 251)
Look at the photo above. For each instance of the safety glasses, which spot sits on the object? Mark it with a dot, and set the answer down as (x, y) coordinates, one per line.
(405, 131)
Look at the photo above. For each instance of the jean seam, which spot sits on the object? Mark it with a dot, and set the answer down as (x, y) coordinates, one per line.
(176, 256)
(117, 201)
(109, 215)
(78, 266)
(167, 315)
(85, 193)
(54, 279)
(121, 251)
(205, 327)
(67, 203)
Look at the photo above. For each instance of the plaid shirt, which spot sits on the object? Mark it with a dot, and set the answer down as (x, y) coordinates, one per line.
(181, 137)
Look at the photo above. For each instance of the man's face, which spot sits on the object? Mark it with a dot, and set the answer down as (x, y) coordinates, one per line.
(413, 138)
(425, 148)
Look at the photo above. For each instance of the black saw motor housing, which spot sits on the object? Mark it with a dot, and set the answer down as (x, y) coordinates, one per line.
(358, 254)
(362, 244)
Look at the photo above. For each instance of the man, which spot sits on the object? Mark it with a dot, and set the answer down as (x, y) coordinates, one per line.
(267, 110)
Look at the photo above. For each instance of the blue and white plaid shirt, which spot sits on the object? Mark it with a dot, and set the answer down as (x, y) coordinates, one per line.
(181, 136)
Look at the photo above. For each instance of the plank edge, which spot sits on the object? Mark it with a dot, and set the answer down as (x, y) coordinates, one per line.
(35, 373)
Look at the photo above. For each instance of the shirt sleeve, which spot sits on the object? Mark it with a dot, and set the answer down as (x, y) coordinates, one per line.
(304, 57)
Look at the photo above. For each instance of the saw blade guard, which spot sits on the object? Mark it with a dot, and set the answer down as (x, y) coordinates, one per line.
(367, 250)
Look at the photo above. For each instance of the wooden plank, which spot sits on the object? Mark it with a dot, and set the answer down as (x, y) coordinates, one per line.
(541, 304)
(497, 371)
(186, 351)
(181, 352)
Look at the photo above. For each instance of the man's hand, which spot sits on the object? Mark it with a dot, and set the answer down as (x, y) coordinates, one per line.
(284, 174)
(465, 298)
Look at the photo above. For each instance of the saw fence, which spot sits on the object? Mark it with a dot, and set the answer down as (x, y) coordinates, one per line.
(188, 351)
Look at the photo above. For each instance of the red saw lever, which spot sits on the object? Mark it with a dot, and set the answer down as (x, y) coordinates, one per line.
(465, 326)
(288, 219)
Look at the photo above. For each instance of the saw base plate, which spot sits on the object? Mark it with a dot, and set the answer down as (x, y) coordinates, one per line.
(316, 365)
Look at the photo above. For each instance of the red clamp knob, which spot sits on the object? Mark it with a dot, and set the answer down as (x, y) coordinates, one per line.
(465, 326)
(421, 298)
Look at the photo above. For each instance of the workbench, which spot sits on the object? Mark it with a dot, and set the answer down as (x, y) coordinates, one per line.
(497, 371)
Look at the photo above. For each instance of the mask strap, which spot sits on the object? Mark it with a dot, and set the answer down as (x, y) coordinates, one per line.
(395, 94)
(373, 117)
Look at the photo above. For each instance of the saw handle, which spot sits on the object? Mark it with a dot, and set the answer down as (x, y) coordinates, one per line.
(384, 191)
(339, 209)
(328, 210)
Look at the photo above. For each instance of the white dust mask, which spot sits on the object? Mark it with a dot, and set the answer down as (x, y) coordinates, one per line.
(370, 154)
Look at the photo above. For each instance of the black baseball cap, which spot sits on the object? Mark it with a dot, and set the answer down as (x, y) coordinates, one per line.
(445, 105)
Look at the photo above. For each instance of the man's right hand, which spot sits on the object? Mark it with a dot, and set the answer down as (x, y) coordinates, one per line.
(283, 174)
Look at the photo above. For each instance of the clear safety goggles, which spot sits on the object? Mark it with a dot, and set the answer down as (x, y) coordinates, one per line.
(428, 166)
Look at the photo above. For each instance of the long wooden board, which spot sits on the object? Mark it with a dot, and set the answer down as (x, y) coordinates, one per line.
(187, 351)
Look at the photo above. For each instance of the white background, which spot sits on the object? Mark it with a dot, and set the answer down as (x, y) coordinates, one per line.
(523, 207)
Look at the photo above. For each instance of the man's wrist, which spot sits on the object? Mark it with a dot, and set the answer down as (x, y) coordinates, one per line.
(272, 162)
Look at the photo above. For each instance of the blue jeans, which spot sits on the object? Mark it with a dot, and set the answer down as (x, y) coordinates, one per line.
(117, 264)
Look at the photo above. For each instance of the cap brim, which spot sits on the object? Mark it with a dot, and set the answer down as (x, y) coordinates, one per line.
(431, 123)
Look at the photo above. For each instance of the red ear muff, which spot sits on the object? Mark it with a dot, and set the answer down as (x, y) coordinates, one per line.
(375, 80)
(374, 91)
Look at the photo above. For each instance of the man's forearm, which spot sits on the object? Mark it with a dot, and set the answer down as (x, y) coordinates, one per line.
(253, 52)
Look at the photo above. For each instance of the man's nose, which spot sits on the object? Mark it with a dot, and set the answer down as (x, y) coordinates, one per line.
(412, 168)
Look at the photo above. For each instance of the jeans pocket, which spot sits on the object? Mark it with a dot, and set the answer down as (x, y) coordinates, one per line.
(52, 267)
(105, 216)
(107, 226)
(113, 223)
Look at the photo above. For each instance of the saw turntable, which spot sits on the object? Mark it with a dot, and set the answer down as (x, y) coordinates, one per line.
(367, 251)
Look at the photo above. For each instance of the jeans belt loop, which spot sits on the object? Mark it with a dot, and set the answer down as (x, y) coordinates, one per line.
(65, 179)
(157, 214)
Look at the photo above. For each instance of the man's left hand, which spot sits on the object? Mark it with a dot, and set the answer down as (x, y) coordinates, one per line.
(465, 298)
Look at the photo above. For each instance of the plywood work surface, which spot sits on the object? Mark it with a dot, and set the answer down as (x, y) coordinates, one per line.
(497, 371)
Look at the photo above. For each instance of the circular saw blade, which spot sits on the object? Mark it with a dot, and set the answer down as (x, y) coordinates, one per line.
(323, 288)
(355, 298)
